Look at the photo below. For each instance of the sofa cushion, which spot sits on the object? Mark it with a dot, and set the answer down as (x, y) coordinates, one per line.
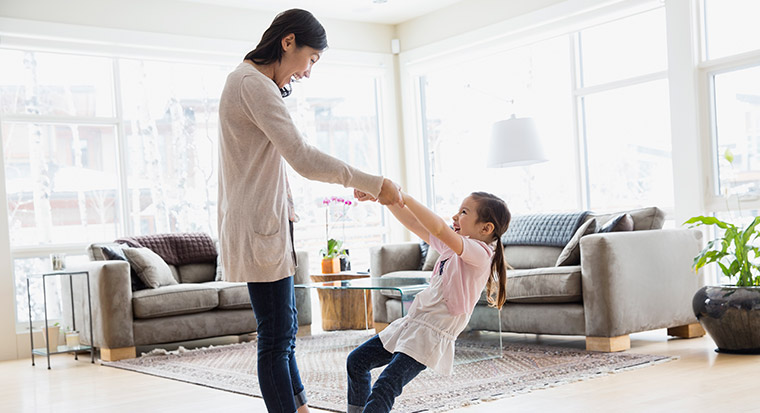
(543, 285)
(149, 267)
(571, 254)
(197, 273)
(643, 218)
(525, 256)
(174, 300)
(232, 296)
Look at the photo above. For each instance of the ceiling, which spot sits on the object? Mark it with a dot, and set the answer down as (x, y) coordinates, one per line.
(371, 11)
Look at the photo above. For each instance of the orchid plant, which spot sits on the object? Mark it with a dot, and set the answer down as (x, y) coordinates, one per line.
(339, 207)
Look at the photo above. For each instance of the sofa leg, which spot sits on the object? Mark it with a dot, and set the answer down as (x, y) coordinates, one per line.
(608, 344)
(116, 354)
(687, 331)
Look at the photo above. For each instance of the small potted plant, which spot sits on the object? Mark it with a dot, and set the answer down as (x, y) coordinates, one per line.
(731, 313)
(334, 257)
(331, 256)
(51, 336)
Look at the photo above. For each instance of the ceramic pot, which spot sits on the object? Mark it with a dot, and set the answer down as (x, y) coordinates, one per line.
(51, 338)
(731, 315)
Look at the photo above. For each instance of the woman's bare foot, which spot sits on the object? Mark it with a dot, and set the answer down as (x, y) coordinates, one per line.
(303, 409)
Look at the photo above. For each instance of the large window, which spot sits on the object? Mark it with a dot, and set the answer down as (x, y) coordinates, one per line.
(625, 113)
(603, 120)
(462, 101)
(731, 68)
(95, 148)
(338, 111)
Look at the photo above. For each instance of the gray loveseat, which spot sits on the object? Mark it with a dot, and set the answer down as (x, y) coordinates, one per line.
(198, 306)
(620, 282)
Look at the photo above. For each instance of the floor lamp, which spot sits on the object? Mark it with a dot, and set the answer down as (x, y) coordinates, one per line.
(514, 142)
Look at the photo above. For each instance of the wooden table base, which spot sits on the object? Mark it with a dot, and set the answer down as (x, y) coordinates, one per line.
(344, 309)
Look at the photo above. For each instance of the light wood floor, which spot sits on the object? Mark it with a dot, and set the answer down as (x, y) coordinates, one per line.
(701, 380)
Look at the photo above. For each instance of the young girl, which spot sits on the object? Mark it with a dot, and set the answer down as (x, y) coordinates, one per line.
(471, 257)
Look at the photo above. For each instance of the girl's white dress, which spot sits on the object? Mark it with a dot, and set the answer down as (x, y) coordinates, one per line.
(440, 312)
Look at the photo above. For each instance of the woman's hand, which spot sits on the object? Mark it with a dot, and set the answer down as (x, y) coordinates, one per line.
(390, 193)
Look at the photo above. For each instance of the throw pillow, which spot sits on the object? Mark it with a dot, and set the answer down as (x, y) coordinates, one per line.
(151, 268)
(430, 260)
(622, 222)
(117, 254)
(571, 254)
(424, 248)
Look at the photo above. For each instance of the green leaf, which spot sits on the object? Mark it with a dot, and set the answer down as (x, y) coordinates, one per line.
(728, 155)
(703, 220)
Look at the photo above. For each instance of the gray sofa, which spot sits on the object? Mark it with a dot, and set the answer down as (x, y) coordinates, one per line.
(622, 282)
(198, 306)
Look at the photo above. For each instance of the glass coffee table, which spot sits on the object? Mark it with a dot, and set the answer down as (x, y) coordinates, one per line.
(405, 288)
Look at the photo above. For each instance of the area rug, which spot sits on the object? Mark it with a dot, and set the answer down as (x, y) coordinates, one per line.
(479, 373)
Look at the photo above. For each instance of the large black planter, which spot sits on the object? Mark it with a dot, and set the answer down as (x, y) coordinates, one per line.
(731, 315)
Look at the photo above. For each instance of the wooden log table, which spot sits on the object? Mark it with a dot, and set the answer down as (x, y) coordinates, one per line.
(344, 309)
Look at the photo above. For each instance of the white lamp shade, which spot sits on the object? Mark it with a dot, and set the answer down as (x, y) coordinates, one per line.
(514, 142)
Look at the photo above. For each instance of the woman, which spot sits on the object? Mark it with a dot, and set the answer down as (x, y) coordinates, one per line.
(256, 212)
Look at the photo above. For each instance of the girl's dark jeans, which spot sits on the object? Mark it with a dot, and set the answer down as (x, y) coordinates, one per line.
(401, 370)
(274, 306)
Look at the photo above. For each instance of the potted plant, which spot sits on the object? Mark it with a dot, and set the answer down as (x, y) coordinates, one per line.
(731, 313)
(331, 256)
(51, 335)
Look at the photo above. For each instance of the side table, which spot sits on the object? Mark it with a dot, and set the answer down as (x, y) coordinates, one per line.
(347, 309)
(61, 349)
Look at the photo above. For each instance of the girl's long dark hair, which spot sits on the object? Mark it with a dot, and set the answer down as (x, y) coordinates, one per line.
(307, 29)
(493, 209)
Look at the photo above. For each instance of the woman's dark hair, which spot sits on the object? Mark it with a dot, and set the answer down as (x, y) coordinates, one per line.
(493, 209)
(306, 28)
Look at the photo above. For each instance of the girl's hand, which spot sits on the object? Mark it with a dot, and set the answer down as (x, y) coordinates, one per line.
(363, 196)
(390, 193)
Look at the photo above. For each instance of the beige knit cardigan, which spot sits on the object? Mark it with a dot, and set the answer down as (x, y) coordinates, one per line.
(257, 137)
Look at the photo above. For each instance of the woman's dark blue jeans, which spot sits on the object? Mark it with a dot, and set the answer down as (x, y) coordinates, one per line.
(274, 305)
(401, 370)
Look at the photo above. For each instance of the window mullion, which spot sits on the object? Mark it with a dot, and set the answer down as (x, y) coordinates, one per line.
(121, 149)
(581, 166)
